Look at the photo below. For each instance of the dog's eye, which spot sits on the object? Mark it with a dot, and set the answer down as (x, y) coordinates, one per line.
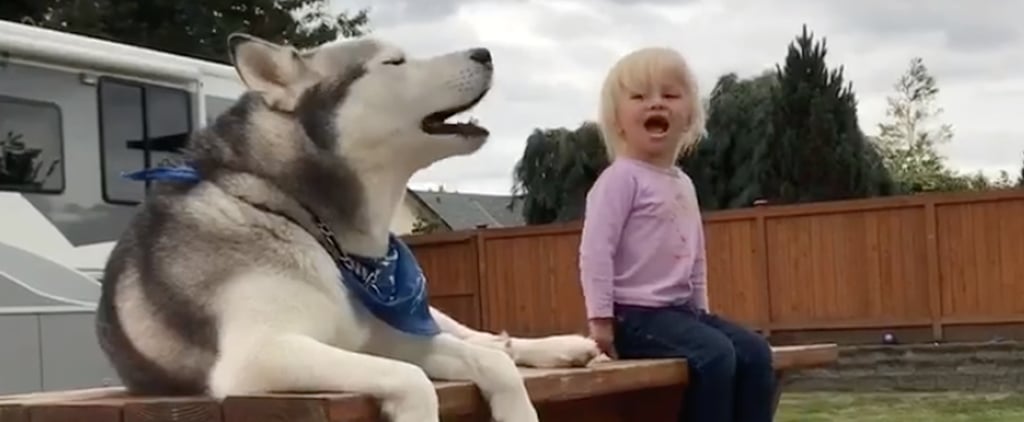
(394, 62)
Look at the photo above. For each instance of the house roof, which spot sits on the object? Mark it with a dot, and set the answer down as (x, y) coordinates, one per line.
(463, 211)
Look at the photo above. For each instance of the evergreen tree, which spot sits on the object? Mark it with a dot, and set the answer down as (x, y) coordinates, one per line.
(817, 151)
(191, 28)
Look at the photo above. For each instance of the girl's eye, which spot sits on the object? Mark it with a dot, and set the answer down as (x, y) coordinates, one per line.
(636, 96)
(394, 62)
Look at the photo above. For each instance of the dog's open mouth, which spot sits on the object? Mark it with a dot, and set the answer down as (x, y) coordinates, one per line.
(435, 124)
(657, 125)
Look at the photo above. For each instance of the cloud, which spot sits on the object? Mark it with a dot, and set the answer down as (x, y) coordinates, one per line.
(551, 55)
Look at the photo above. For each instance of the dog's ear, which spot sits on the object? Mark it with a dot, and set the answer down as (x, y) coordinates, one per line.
(278, 72)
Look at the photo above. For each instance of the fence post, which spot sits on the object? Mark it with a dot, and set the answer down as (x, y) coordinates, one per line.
(766, 289)
(934, 275)
(478, 240)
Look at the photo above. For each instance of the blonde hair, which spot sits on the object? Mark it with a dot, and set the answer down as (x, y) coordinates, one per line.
(638, 71)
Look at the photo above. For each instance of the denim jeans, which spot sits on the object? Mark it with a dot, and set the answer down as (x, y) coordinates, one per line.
(731, 373)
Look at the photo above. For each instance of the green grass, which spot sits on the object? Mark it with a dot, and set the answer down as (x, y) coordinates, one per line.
(901, 407)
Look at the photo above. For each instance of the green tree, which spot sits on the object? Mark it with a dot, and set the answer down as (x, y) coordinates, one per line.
(817, 151)
(425, 226)
(909, 140)
(555, 172)
(724, 169)
(977, 181)
(191, 28)
(1003, 181)
(1020, 179)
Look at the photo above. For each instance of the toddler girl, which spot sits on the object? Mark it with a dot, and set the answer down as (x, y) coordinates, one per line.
(642, 258)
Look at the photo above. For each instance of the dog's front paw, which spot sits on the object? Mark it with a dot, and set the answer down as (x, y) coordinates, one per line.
(519, 413)
(413, 400)
(562, 351)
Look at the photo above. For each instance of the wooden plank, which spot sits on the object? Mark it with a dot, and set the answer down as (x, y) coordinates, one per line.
(647, 405)
(764, 264)
(127, 409)
(462, 398)
(934, 274)
(74, 411)
(25, 407)
(183, 409)
(622, 390)
(13, 413)
(804, 356)
(298, 408)
(66, 395)
(851, 324)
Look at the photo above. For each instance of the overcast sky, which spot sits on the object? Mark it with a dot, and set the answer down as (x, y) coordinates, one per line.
(550, 56)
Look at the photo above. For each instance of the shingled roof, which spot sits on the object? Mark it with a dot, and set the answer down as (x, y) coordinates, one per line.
(462, 211)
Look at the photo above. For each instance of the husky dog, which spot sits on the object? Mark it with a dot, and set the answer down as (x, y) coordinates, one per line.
(229, 283)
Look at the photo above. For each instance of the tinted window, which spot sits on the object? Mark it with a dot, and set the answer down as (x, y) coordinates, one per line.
(215, 106)
(121, 120)
(31, 146)
(167, 123)
(142, 126)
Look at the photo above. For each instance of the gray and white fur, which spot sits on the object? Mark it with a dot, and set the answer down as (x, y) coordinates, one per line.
(221, 288)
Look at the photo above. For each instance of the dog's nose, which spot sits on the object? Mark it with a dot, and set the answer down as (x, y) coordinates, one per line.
(480, 55)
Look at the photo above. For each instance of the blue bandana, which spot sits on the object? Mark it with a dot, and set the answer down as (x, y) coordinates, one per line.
(392, 288)
(186, 174)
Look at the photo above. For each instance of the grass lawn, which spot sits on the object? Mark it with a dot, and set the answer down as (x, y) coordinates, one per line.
(900, 407)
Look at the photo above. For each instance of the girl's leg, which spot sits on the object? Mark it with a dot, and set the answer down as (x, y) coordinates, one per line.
(755, 374)
(669, 332)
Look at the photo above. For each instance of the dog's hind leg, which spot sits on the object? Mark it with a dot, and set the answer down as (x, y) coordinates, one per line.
(541, 352)
(446, 357)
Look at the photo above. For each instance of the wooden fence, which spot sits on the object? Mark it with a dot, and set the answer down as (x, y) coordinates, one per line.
(922, 266)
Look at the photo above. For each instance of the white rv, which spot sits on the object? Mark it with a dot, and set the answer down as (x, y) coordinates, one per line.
(76, 112)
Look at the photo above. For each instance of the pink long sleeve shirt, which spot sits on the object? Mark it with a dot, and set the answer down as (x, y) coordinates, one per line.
(643, 240)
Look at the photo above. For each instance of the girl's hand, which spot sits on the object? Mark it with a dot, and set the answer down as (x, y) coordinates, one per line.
(602, 331)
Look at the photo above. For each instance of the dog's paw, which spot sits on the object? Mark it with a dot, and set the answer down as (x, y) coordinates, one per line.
(413, 399)
(513, 407)
(563, 351)
(419, 408)
(601, 359)
(520, 414)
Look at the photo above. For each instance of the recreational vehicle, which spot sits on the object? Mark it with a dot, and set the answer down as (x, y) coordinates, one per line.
(76, 112)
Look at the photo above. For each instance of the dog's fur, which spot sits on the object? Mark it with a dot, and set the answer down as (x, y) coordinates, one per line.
(221, 288)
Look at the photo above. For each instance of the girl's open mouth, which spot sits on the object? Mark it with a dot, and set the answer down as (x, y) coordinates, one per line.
(656, 125)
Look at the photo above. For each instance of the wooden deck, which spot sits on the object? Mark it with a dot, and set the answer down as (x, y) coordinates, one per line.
(616, 391)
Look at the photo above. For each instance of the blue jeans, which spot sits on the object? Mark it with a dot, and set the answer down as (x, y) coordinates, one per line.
(731, 373)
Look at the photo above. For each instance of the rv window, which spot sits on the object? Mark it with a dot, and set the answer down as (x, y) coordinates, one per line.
(121, 119)
(215, 106)
(142, 126)
(168, 123)
(31, 146)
